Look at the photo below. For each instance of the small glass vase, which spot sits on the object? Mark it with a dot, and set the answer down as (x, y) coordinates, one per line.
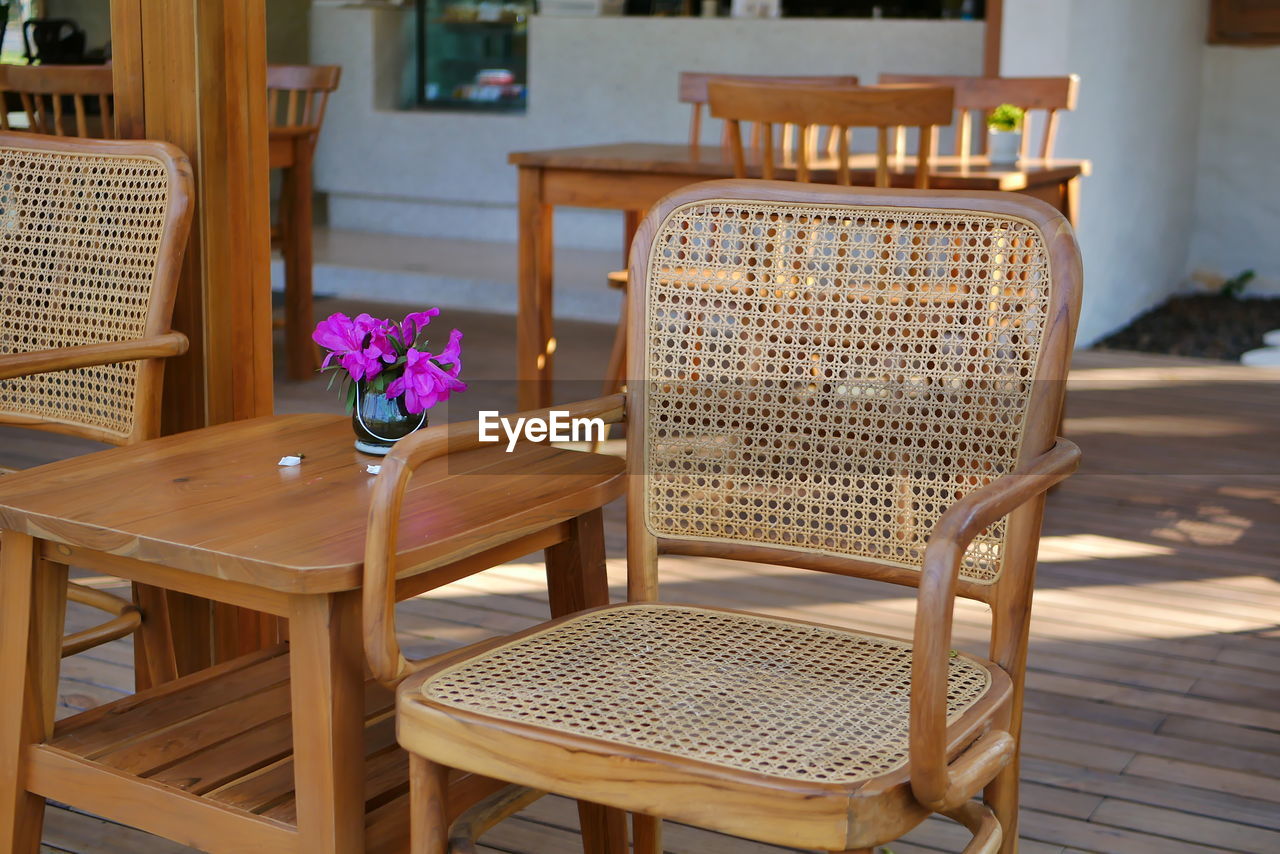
(380, 421)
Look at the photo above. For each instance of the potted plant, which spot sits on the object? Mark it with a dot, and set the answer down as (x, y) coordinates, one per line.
(389, 378)
(1005, 125)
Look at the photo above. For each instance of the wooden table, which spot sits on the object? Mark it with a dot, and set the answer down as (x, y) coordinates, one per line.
(292, 149)
(209, 760)
(631, 176)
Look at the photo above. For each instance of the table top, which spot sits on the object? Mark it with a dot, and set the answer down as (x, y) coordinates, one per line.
(968, 173)
(216, 502)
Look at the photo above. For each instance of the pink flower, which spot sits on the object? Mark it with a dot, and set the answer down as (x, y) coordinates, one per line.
(424, 383)
(353, 344)
(451, 355)
(414, 323)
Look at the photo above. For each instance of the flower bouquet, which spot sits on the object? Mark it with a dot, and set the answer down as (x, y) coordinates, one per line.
(389, 378)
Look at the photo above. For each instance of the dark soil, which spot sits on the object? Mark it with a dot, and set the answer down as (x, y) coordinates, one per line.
(1207, 326)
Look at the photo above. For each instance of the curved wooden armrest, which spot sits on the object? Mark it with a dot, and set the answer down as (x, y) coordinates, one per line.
(386, 661)
(932, 783)
(86, 356)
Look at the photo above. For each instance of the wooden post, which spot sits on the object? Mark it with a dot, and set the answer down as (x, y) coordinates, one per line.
(991, 43)
(193, 72)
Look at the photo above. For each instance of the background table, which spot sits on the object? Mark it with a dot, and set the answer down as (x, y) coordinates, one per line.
(216, 759)
(631, 176)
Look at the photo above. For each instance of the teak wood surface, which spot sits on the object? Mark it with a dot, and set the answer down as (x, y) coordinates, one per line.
(215, 760)
(632, 176)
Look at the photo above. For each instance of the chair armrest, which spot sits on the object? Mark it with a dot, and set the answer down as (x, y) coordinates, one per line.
(386, 661)
(932, 783)
(65, 358)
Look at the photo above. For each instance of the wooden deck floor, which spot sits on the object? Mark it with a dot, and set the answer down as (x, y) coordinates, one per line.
(1153, 721)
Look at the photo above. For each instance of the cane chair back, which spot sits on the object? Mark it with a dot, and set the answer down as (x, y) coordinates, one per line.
(297, 95)
(62, 100)
(882, 108)
(694, 91)
(91, 240)
(981, 95)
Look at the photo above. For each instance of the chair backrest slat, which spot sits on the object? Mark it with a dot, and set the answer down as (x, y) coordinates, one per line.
(298, 94)
(49, 92)
(693, 91)
(981, 95)
(879, 107)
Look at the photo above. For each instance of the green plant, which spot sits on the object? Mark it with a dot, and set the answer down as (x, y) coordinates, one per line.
(1006, 117)
(1234, 287)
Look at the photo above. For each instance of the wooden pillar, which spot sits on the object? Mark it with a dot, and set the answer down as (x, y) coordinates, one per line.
(991, 43)
(193, 72)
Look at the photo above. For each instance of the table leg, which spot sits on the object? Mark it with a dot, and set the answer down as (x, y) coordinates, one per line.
(535, 333)
(1071, 201)
(33, 594)
(296, 240)
(576, 579)
(327, 689)
(630, 225)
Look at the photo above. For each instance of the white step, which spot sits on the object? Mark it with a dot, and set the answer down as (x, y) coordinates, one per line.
(463, 274)
(1267, 357)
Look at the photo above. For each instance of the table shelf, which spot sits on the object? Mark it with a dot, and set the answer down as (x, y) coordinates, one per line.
(222, 739)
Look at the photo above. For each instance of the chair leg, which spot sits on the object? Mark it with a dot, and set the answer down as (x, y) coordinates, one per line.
(646, 831)
(1001, 794)
(616, 372)
(428, 814)
(154, 637)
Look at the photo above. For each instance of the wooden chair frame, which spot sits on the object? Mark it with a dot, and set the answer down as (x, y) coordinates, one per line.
(981, 95)
(943, 774)
(297, 95)
(44, 88)
(694, 91)
(882, 107)
(154, 652)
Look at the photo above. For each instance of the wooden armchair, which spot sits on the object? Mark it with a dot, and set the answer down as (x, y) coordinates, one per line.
(981, 95)
(62, 100)
(799, 399)
(91, 245)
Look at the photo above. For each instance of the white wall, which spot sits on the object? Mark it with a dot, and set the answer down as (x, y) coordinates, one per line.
(592, 80)
(1237, 222)
(1138, 120)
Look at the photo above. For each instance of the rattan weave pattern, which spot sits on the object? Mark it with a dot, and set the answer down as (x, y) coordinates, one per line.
(831, 379)
(786, 699)
(79, 245)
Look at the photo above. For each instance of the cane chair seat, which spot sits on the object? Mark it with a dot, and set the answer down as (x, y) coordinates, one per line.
(786, 708)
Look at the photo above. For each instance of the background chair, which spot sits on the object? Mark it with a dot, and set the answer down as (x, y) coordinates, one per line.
(842, 380)
(84, 316)
(880, 107)
(765, 103)
(62, 100)
(984, 94)
(297, 96)
(53, 41)
(693, 91)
